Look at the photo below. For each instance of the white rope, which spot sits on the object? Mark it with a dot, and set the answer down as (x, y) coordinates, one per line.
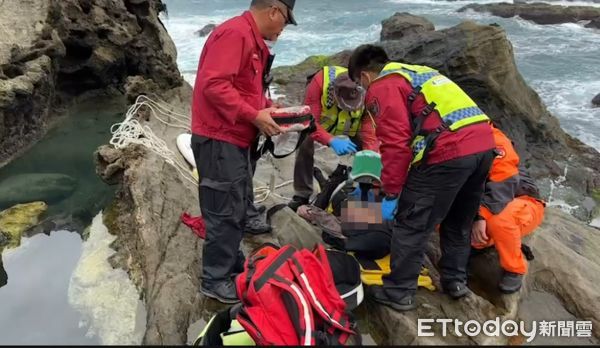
(131, 131)
(262, 193)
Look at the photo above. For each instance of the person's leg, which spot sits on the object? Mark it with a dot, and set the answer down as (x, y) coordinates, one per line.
(255, 222)
(531, 216)
(455, 229)
(425, 201)
(222, 192)
(251, 211)
(303, 173)
(519, 218)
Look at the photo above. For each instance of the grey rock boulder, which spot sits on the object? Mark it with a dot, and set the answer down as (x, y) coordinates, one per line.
(205, 30)
(596, 100)
(403, 24)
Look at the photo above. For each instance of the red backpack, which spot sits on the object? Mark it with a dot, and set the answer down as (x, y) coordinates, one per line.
(289, 298)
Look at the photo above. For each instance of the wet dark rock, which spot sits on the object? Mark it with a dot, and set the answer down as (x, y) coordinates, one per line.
(538, 12)
(3, 275)
(205, 30)
(594, 23)
(596, 100)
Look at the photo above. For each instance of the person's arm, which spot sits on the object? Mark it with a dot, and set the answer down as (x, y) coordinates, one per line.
(220, 73)
(367, 134)
(314, 91)
(386, 102)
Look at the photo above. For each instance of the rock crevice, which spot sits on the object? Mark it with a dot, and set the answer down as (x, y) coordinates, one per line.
(54, 50)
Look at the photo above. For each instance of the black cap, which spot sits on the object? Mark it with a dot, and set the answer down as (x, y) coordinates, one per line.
(290, 6)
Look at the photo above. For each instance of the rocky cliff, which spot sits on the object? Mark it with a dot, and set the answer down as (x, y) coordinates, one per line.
(54, 50)
(539, 12)
(163, 256)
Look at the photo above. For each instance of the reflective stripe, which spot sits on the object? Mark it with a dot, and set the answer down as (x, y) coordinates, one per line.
(315, 301)
(472, 120)
(417, 79)
(333, 119)
(460, 114)
(329, 88)
(419, 146)
(450, 120)
(306, 314)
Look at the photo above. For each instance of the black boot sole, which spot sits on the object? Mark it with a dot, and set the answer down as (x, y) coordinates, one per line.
(214, 296)
(458, 294)
(256, 233)
(508, 292)
(396, 306)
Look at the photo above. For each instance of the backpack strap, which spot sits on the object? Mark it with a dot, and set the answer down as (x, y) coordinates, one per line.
(269, 146)
(333, 318)
(285, 254)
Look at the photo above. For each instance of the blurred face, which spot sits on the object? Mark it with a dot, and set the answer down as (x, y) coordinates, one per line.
(358, 214)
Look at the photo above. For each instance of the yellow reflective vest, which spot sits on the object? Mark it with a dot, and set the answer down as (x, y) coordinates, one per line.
(335, 120)
(454, 106)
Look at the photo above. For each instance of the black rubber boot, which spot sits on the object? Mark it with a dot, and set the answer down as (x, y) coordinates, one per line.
(297, 201)
(510, 282)
(379, 295)
(257, 226)
(223, 292)
(456, 290)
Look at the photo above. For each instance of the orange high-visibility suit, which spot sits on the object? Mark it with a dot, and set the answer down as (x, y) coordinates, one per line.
(510, 205)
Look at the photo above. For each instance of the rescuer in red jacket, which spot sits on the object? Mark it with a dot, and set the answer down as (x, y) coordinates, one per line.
(436, 149)
(229, 108)
(337, 103)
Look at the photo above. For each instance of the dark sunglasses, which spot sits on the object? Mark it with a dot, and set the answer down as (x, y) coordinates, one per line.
(285, 17)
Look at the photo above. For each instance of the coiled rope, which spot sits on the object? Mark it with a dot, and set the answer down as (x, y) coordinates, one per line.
(131, 131)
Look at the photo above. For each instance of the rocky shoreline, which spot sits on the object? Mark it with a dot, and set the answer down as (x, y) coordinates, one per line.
(541, 13)
(162, 256)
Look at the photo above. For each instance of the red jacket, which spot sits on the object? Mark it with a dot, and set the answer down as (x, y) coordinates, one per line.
(228, 92)
(314, 91)
(386, 99)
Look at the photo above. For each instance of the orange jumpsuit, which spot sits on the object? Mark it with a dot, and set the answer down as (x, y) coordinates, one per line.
(510, 206)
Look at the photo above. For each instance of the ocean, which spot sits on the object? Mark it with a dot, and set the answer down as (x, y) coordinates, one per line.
(560, 62)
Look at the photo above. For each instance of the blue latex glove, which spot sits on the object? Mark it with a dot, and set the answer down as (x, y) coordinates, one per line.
(388, 208)
(342, 146)
(356, 193)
